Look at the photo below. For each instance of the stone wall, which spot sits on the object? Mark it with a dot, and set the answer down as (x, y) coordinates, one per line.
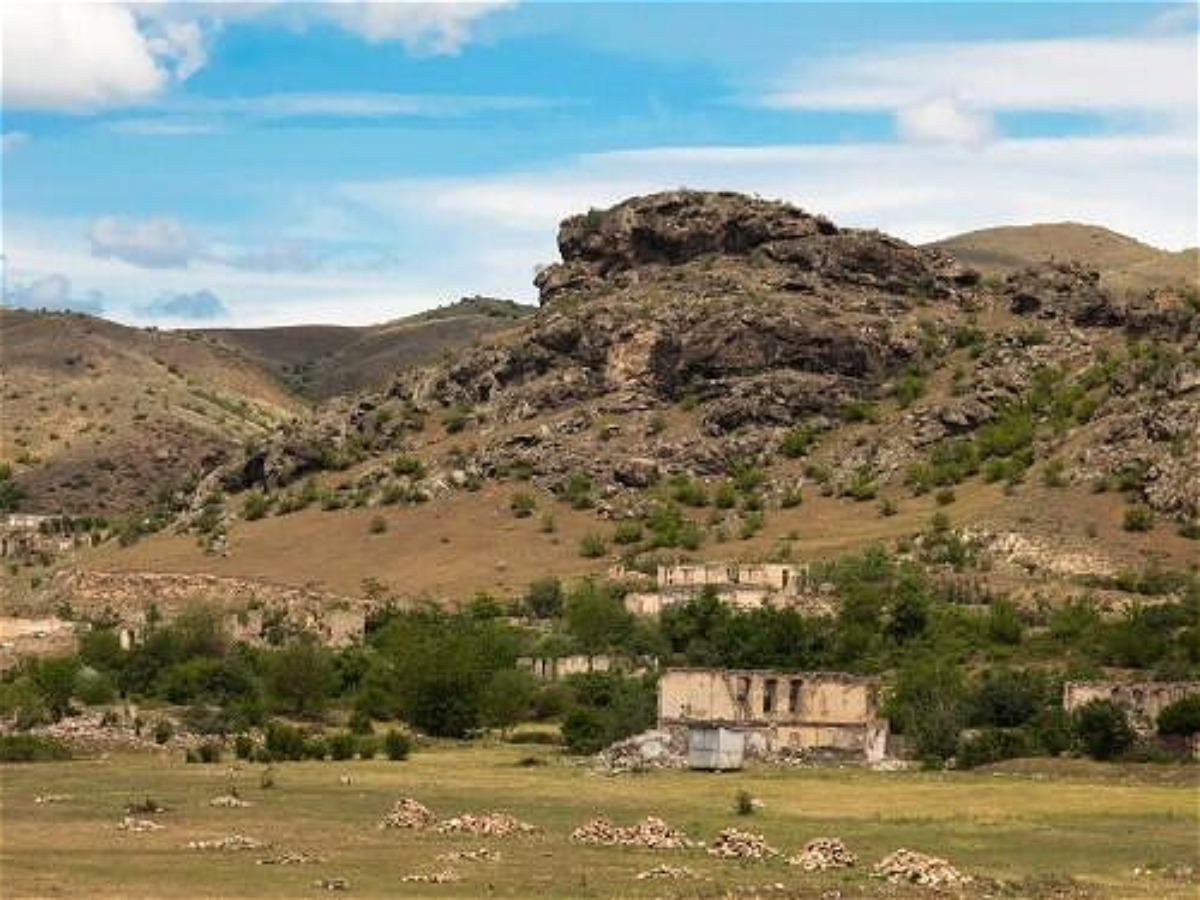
(1142, 701)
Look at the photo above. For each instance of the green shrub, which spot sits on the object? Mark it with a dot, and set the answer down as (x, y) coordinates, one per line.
(1181, 717)
(1138, 518)
(991, 745)
(628, 532)
(396, 745)
(283, 741)
(1101, 729)
(23, 748)
(799, 441)
(378, 525)
(743, 803)
(544, 597)
(256, 506)
(315, 747)
(209, 752)
(243, 746)
(592, 546)
(523, 504)
(342, 745)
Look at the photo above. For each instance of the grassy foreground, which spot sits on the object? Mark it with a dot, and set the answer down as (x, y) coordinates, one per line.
(1032, 824)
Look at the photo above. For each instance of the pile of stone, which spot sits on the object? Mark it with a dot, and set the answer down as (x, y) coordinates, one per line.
(409, 813)
(652, 833)
(649, 750)
(51, 798)
(733, 843)
(911, 867)
(291, 858)
(332, 884)
(231, 844)
(491, 824)
(820, 854)
(129, 823)
(667, 871)
(229, 801)
(483, 854)
(445, 876)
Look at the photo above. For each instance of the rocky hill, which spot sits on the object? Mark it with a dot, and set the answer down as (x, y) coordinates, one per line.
(1125, 264)
(323, 361)
(721, 376)
(100, 419)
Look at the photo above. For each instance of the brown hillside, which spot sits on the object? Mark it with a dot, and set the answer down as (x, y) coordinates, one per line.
(99, 418)
(1125, 264)
(323, 361)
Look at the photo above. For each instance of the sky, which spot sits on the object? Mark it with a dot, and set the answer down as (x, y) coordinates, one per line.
(230, 164)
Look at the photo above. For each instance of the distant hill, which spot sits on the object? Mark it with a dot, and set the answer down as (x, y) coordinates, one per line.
(323, 361)
(100, 418)
(1125, 264)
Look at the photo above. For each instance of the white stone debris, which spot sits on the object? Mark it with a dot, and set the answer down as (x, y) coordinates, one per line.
(820, 854)
(911, 867)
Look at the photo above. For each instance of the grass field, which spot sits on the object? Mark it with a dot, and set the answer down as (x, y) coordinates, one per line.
(1028, 824)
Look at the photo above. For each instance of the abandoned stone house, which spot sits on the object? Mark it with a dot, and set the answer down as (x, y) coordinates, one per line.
(746, 586)
(1142, 700)
(822, 713)
(556, 668)
(24, 536)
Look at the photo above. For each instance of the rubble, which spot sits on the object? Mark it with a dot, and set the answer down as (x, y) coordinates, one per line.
(332, 884)
(482, 854)
(491, 824)
(732, 843)
(820, 854)
(654, 749)
(128, 823)
(51, 798)
(445, 876)
(291, 858)
(667, 871)
(652, 833)
(409, 813)
(229, 801)
(909, 866)
(232, 843)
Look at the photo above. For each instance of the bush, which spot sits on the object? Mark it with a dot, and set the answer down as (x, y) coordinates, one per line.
(316, 747)
(256, 506)
(360, 722)
(163, 731)
(627, 532)
(585, 731)
(342, 745)
(283, 741)
(1101, 729)
(523, 504)
(1138, 518)
(300, 677)
(544, 598)
(367, 746)
(396, 745)
(22, 748)
(991, 745)
(1181, 717)
(243, 746)
(210, 752)
(743, 803)
(592, 546)
(379, 525)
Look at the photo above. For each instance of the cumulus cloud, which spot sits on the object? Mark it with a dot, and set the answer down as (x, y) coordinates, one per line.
(199, 306)
(944, 120)
(434, 27)
(54, 292)
(162, 243)
(81, 57)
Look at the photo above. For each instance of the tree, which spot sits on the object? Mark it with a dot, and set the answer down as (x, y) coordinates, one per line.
(54, 680)
(544, 598)
(507, 698)
(1101, 729)
(300, 677)
(929, 706)
(1008, 698)
(597, 618)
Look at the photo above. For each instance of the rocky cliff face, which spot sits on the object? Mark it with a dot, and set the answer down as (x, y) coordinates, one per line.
(744, 318)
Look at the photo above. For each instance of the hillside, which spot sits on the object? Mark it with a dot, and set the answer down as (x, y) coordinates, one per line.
(1124, 264)
(322, 361)
(715, 376)
(101, 419)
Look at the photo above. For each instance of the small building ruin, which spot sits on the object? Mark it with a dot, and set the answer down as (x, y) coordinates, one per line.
(556, 668)
(1142, 701)
(742, 585)
(817, 713)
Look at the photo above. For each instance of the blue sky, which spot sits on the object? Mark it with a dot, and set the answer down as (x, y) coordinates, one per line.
(190, 163)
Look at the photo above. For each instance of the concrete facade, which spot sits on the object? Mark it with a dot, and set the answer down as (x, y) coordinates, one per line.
(806, 711)
(1142, 701)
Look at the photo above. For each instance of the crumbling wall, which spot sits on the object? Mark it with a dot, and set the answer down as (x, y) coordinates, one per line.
(1142, 700)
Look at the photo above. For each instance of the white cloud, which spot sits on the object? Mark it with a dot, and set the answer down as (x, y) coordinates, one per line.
(76, 57)
(161, 243)
(198, 306)
(54, 292)
(434, 26)
(1099, 74)
(944, 120)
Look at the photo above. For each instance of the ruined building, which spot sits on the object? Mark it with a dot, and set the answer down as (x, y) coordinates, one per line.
(1142, 700)
(746, 586)
(821, 713)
